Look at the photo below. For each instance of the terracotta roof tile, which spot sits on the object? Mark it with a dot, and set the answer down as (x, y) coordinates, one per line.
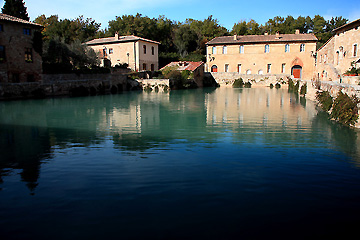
(262, 39)
(350, 24)
(118, 40)
(185, 65)
(15, 19)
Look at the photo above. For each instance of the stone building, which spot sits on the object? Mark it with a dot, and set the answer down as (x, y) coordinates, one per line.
(19, 60)
(336, 56)
(291, 54)
(197, 69)
(139, 53)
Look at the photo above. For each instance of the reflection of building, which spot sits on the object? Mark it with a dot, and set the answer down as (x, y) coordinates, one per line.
(256, 107)
(263, 54)
(139, 53)
(19, 61)
(334, 58)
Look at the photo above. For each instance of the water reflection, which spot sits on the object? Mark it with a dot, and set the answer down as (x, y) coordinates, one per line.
(32, 131)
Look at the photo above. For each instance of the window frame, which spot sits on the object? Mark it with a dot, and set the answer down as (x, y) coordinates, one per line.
(355, 49)
(241, 49)
(27, 31)
(213, 50)
(268, 68)
(2, 54)
(302, 47)
(224, 50)
(287, 48)
(28, 55)
(267, 48)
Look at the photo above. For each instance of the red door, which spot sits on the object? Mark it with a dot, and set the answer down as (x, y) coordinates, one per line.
(297, 73)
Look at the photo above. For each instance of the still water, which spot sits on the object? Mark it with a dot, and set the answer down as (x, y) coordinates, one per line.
(199, 164)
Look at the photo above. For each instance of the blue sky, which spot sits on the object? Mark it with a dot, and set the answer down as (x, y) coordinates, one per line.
(227, 12)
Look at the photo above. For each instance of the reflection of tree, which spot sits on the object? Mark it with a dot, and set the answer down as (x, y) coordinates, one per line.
(23, 148)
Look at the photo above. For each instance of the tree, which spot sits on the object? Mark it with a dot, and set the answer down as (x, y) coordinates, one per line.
(69, 30)
(15, 8)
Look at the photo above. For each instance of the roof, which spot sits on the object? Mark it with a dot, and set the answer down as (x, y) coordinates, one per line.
(350, 24)
(185, 65)
(15, 19)
(118, 39)
(263, 39)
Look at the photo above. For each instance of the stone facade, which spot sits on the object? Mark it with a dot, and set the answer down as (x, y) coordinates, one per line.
(291, 54)
(19, 62)
(139, 53)
(335, 57)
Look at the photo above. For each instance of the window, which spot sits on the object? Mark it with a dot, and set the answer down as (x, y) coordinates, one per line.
(226, 67)
(287, 48)
(144, 48)
(268, 68)
(241, 50)
(152, 67)
(248, 71)
(2, 54)
(302, 47)
(224, 49)
(27, 31)
(111, 51)
(239, 68)
(152, 51)
(283, 68)
(144, 66)
(267, 48)
(213, 50)
(28, 55)
(325, 58)
(355, 50)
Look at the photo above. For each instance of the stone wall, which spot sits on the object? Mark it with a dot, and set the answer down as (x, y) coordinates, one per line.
(68, 84)
(228, 78)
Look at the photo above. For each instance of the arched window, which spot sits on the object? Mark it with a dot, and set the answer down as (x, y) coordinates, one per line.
(213, 68)
(302, 47)
(267, 48)
(287, 48)
(248, 71)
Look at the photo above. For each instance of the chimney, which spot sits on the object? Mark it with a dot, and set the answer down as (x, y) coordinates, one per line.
(277, 34)
(116, 36)
(266, 33)
(235, 37)
(297, 31)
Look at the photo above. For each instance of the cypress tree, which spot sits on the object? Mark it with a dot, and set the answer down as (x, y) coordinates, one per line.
(15, 8)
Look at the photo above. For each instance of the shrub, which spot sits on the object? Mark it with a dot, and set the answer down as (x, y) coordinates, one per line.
(345, 109)
(325, 100)
(248, 85)
(277, 85)
(271, 85)
(238, 83)
(303, 89)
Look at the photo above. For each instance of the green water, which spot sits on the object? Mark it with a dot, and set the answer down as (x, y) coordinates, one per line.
(198, 164)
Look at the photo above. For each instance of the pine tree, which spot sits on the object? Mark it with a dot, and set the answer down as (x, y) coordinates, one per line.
(15, 8)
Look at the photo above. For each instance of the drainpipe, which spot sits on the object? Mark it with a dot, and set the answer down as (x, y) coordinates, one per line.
(135, 54)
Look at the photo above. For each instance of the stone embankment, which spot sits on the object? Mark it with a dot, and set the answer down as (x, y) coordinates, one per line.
(68, 84)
